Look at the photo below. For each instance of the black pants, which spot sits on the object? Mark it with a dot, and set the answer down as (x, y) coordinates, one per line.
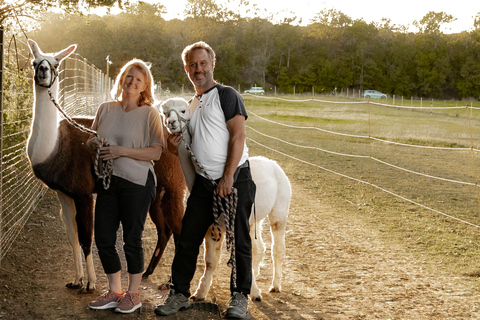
(128, 203)
(196, 221)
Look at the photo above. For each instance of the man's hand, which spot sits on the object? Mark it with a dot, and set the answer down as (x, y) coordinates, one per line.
(224, 187)
(173, 141)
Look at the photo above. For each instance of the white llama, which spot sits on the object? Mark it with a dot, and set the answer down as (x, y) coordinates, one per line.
(272, 199)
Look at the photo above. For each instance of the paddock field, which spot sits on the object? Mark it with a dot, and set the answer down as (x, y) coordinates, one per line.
(391, 233)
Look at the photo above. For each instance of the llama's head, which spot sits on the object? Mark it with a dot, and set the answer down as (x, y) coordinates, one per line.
(46, 65)
(176, 114)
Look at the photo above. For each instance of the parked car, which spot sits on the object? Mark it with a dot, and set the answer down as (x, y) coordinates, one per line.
(374, 94)
(255, 90)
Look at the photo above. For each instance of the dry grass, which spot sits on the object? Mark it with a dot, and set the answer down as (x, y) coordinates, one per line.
(426, 233)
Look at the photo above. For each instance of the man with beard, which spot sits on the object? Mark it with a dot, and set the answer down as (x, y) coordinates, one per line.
(217, 126)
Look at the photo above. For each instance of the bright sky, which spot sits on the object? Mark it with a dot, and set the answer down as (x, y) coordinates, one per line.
(402, 12)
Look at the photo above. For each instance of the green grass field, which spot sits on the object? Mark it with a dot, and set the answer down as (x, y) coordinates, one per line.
(332, 160)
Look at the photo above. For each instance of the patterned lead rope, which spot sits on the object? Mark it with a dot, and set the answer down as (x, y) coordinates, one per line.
(103, 169)
(227, 208)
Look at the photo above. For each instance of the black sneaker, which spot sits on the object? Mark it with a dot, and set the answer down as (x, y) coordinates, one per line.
(237, 306)
(174, 302)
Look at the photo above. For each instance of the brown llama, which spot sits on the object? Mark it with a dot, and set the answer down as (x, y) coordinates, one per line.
(59, 158)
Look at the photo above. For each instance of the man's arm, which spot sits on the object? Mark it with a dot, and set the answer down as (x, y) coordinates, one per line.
(236, 128)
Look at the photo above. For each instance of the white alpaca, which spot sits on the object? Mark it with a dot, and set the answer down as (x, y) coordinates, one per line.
(272, 199)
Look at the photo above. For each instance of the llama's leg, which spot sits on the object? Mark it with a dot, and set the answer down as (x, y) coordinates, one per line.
(212, 258)
(173, 207)
(163, 233)
(85, 222)
(166, 212)
(277, 229)
(68, 217)
(258, 251)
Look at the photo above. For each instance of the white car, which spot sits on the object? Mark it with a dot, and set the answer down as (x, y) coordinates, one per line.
(255, 90)
(374, 94)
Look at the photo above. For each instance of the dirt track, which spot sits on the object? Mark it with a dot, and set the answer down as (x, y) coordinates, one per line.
(336, 268)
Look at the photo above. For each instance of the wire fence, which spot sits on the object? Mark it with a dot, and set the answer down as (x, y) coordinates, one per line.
(437, 172)
(82, 86)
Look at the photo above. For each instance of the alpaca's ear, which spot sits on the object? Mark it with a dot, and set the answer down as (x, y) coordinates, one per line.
(65, 53)
(34, 48)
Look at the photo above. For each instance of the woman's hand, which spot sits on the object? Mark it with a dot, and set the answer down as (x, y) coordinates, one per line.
(110, 152)
(93, 143)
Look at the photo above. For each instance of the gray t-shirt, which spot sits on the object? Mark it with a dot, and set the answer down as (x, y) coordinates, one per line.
(139, 128)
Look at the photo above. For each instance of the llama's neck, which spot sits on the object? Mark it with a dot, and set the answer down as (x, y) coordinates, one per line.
(44, 131)
(188, 167)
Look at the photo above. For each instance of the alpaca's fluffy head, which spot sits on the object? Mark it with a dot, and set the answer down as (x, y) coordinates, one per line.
(176, 114)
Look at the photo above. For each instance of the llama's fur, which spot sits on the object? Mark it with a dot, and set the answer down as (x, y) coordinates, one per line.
(59, 158)
(272, 199)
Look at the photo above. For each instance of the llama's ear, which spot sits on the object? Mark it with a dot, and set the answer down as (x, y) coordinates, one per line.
(34, 48)
(65, 53)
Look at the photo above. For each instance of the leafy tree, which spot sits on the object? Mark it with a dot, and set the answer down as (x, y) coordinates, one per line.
(333, 51)
(467, 58)
(333, 18)
(433, 21)
(32, 8)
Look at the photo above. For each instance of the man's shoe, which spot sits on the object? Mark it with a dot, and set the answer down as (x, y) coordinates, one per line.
(237, 306)
(108, 300)
(174, 302)
(128, 303)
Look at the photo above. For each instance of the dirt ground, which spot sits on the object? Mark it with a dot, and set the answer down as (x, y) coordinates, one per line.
(335, 268)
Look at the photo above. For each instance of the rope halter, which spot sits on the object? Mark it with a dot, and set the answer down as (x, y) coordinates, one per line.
(181, 120)
(53, 68)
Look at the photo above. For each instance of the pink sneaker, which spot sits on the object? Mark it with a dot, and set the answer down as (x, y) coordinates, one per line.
(107, 300)
(128, 303)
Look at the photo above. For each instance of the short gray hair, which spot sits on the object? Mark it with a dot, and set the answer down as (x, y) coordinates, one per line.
(198, 45)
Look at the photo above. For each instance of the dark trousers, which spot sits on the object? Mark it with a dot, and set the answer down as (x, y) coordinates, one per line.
(127, 203)
(196, 221)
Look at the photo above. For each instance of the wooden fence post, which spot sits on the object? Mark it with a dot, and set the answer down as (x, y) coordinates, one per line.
(1, 139)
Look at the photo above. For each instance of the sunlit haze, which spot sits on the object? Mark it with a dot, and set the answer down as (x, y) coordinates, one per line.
(399, 12)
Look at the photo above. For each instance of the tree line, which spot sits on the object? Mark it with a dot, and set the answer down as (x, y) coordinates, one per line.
(332, 51)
